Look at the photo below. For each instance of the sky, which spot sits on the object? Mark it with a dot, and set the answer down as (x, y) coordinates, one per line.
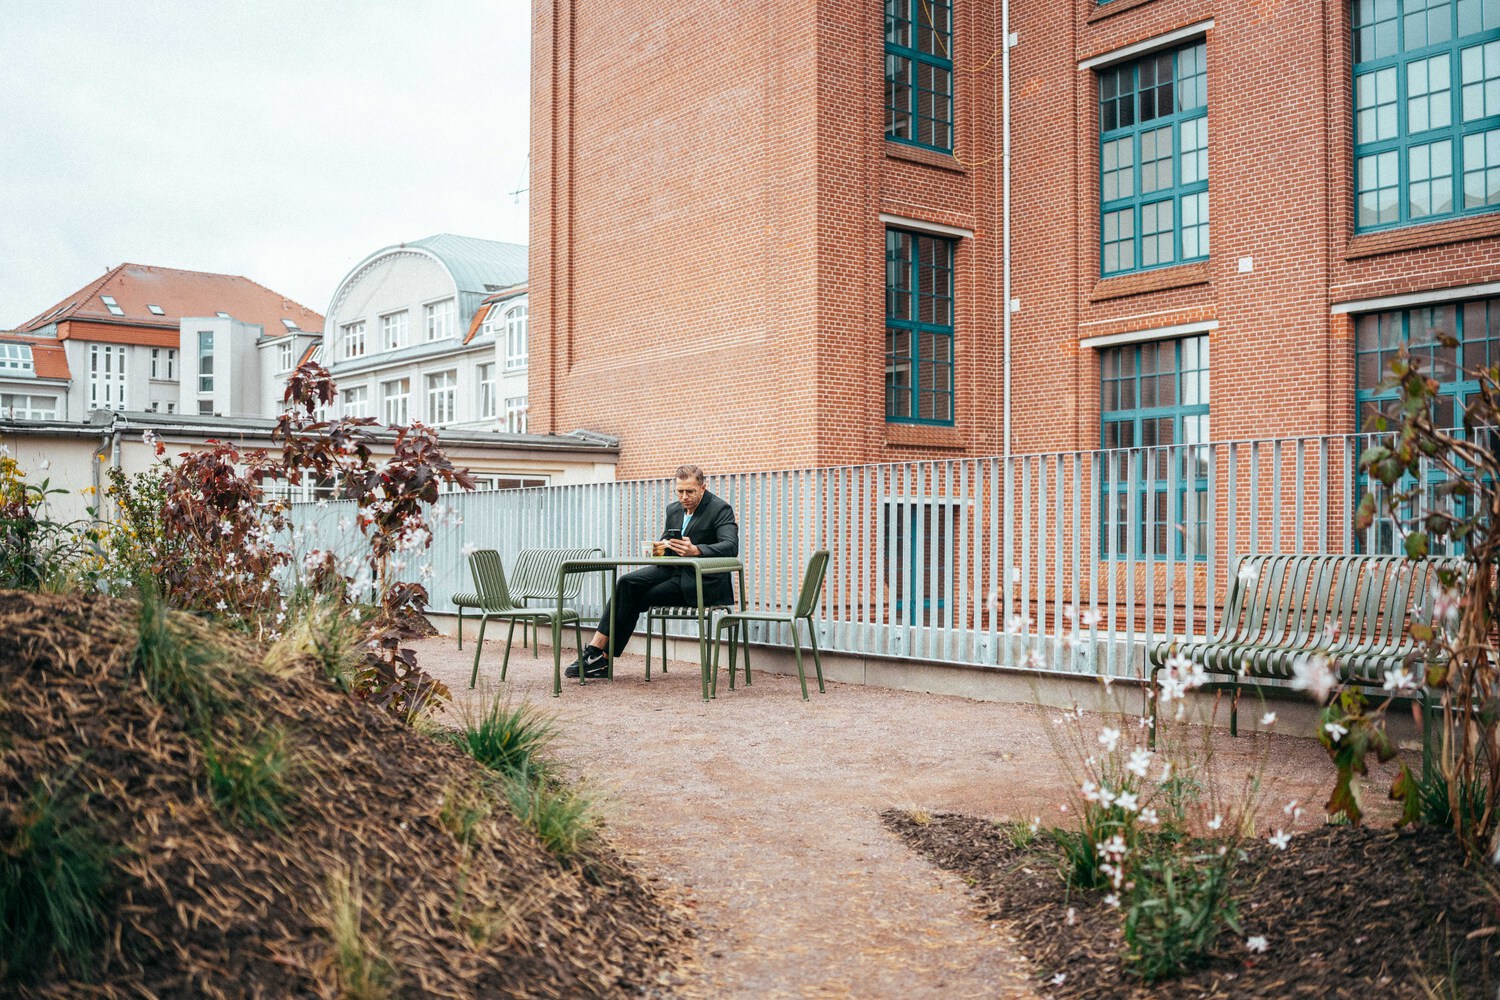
(282, 140)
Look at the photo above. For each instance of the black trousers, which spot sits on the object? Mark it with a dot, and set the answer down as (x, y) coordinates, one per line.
(638, 592)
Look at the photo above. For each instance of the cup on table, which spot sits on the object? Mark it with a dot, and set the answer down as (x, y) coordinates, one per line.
(651, 548)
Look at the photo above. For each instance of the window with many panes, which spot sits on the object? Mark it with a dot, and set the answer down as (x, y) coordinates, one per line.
(205, 361)
(395, 398)
(284, 355)
(393, 331)
(15, 358)
(438, 319)
(515, 338)
(163, 363)
(487, 391)
(354, 339)
(357, 401)
(23, 406)
(1154, 412)
(442, 397)
(106, 377)
(1450, 342)
(918, 328)
(919, 72)
(1153, 161)
(515, 414)
(1426, 110)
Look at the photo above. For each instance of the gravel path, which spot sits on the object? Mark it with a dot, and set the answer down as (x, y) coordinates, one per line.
(763, 813)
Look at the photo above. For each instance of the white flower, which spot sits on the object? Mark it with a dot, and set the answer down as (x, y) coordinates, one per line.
(1315, 675)
(1445, 604)
(1035, 824)
(1140, 762)
(1148, 815)
(1072, 916)
(1280, 840)
(1112, 900)
(1256, 944)
(1247, 572)
(1399, 679)
(1090, 618)
(1331, 630)
(1335, 731)
(280, 617)
(1062, 977)
(1269, 719)
(1290, 807)
(45, 464)
(1070, 612)
(1017, 624)
(1216, 822)
(1166, 773)
(1090, 791)
(1126, 801)
(469, 549)
(1109, 738)
(221, 605)
(1033, 660)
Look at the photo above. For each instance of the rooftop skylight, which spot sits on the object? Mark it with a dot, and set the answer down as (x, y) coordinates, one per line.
(112, 305)
(222, 315)
(289, 324)
(156, 310)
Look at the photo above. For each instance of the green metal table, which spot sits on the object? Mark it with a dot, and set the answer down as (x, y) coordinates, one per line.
(700, 565)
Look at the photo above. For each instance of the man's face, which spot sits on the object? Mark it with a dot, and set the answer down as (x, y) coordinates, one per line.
(689, 492)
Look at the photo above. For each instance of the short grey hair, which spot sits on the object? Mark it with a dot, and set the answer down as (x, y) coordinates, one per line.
(690, 472)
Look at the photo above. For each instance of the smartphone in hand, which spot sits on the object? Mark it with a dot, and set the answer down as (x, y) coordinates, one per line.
(673, 533)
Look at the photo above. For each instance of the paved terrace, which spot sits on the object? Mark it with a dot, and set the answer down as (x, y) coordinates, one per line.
(762, 812)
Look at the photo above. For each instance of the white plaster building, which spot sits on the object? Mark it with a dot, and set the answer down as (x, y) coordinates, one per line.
(433, 331)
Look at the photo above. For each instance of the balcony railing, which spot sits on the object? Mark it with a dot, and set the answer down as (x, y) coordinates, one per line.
(1071, 562)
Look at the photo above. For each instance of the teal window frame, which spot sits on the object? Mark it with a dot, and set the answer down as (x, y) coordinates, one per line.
(1132, 155)
(919, 73)
(1154, 409)
(1426, 95)
(1475, 326)
(919, 313)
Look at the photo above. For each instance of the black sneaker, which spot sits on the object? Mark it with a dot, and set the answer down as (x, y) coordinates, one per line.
(595, 665)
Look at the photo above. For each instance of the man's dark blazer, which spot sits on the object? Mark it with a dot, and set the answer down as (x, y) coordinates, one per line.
(713, 529)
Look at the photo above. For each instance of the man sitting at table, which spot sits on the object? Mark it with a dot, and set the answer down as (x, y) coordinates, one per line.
(698, 524)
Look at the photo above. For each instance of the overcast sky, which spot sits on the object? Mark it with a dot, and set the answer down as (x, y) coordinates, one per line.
(283, 140)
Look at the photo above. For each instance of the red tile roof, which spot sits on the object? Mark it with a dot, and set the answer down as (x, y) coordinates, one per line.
(178, 293)
(48, 358)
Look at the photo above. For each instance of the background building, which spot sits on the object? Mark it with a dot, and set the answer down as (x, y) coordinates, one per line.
(130, 338)
(1224, 220)
(422, 331)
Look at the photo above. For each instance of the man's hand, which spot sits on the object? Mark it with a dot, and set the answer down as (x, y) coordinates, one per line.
(683, 547)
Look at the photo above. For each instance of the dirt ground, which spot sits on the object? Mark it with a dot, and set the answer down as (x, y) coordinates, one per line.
(763, 812)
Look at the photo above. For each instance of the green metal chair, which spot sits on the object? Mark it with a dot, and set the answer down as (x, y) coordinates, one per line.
(807, 602)
(467, 599)
(665, 614)
(496, 602)
(535, 580)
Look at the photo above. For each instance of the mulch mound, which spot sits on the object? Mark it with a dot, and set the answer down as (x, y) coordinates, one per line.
(200, 907)
(1347, 912)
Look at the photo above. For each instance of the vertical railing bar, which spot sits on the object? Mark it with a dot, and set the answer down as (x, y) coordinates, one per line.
(1277, 541)
(1300, 504)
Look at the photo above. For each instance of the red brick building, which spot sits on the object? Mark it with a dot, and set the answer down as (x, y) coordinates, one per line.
(763, 237)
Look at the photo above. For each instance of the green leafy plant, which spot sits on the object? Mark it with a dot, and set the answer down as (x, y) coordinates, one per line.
(36, 552)
(249, 784)
(1179, 907)
(181, 670)
(561, 815)
(509, 740)
(464, 808)
(55, 873)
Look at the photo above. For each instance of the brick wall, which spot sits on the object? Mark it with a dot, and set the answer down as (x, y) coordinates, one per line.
(708, 259)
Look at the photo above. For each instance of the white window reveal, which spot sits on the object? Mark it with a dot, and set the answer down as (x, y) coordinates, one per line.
(357, 401)
(442, 391)
(354, 339)
(106, 377)
(515, 414)
(16, 358)
(205, 361)
(393, 331)
(396, 396)
(487, 394)
(439, 319)
(515, 338)
(19, 406)
(163, 363)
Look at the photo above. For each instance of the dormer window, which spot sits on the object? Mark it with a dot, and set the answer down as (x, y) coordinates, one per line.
(112, 305)
(156, 310)
(16, 358)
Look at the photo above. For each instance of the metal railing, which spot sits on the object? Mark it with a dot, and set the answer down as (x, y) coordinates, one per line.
(1071, 561)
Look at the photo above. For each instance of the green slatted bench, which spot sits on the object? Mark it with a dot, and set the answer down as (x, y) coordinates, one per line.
(1281, 608)
(534, 578)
